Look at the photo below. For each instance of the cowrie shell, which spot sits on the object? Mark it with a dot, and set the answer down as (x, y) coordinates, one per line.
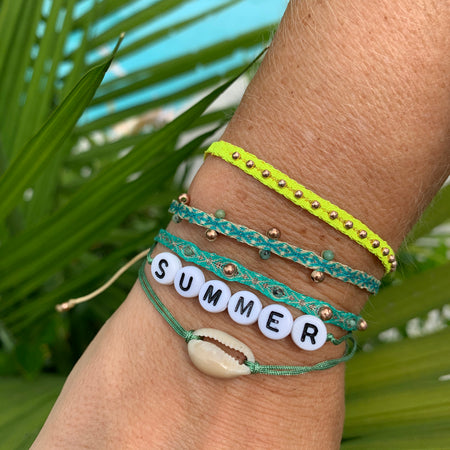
(212, 360)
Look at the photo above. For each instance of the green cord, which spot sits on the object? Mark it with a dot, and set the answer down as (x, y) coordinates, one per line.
(255, 367)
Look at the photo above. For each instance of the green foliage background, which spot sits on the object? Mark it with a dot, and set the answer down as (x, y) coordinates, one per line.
(77, 230)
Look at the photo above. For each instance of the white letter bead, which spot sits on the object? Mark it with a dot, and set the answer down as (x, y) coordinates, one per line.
(309, 332)
(244, 307)
(275, 322)
(188, 281)
(214, 296)
(164, 267)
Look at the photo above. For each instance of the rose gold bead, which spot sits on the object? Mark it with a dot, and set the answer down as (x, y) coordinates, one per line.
(391, 259)
(236, 155)
(282, 183)
(229, 269)
(362, 234)
(315, 204)
(250, 164)
(184, 198)
(385, 252)
(362, 325)
(394, 266)
(375, 243)
(325, 313)
(273, 233)
(265, 173)
(211, 235)
(333, 215)
(298, 194)
(317, 276)
(348, 224)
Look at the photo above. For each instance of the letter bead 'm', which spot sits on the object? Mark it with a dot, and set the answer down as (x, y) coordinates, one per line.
(188, 281)
(244, 307)
(275, 322)
(309, 332)
(164, 267)
(214, 296)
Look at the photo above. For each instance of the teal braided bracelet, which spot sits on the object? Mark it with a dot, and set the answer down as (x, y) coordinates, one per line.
(283, 249)
(219, 363)
(231, 270)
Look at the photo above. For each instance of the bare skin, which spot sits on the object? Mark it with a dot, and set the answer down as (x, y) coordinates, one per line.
(352, 100)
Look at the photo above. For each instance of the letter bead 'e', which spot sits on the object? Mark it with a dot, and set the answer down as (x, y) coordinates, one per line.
(164, 267)
(214, 296)
(244, 307)
(309, 332)
(188, 281)
(275, 322)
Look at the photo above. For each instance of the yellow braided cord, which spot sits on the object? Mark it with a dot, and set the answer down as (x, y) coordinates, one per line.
(305, 198)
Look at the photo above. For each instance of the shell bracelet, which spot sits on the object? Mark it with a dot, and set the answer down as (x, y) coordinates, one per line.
(206, 347)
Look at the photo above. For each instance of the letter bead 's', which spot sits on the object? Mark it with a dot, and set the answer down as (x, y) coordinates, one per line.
(164, 267)
(244, 307)
(188, 281)
(214, 296)
(309, 332)
(215, 362)
(275, 322)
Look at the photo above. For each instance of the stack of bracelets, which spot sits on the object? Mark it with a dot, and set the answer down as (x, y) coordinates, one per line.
(275, 321)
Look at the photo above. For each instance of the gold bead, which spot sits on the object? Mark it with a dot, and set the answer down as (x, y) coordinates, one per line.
(325, 313)
(317, 276)
(211, 235)
(362, 324)
(298, 194)
(315, 204)
(333, 215)
(348, 224)
(362, 234)
(273, 233)
(236, 155)
(229, 269)
(282, 183)
(394, 266)
(391, 259)
(386, 252)
(265, 173)
(184, 198)
(250, 164)
(375, 243)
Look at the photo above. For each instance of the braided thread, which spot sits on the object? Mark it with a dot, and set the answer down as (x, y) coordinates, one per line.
(283, 249)
(225, 151)
(215, 263)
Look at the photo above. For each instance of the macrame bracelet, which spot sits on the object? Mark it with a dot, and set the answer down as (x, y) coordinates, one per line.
(254, 239)
(306, 199)
(212, 360)
(231, 270)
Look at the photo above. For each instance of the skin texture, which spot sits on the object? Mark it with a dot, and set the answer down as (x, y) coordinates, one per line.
(352, 100)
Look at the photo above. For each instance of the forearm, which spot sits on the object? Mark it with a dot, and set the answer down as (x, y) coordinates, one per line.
(352, 101)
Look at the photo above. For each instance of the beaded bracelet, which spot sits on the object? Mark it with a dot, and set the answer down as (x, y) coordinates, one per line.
(212, 360)
(306, 199)
(250, 237)
(231, 270)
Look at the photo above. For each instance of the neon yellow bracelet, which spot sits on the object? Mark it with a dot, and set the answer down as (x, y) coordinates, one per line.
(306, 199)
